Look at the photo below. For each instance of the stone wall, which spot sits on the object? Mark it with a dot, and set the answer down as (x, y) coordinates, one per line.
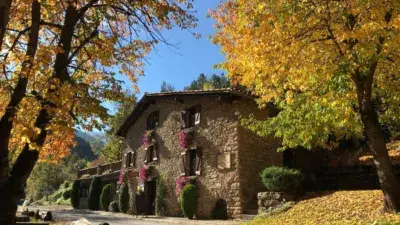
(255, 154)
(270, 201)
(216, 134)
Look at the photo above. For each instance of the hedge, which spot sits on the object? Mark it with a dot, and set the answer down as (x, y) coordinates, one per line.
(75, 194)
(105, 197)
(189, 201)
(281, 179)
(94, 194)
(123, 199)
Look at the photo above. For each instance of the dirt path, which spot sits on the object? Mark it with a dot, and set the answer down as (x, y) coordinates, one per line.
(67, 214)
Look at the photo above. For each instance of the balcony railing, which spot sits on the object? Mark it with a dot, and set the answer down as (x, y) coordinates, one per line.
(99, 170)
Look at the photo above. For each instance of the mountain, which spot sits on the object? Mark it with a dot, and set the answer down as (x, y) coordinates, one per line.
(87, 145)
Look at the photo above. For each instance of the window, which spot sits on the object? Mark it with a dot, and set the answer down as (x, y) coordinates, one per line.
(129, 159)
(190, 117)
(152, 120)
(191, 162)
(151, 154)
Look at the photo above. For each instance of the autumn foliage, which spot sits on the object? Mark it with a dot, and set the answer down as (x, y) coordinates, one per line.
(341, 207)
(59, 63)
(330, 67)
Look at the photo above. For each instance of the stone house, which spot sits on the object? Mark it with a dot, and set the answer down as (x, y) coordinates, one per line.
(224, 158)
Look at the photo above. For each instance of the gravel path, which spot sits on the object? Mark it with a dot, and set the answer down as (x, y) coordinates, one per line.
(67, 214)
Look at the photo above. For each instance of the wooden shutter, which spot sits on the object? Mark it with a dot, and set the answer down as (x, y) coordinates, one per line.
(155, 152)
(183, 119)
(133, 159)
(146, 155)
(197, 115)
(156, 118)
(184, 169)
(129, 159)
(126, 160)
(199, 159)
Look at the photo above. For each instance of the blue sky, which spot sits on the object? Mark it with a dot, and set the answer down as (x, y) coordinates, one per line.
(193, 56)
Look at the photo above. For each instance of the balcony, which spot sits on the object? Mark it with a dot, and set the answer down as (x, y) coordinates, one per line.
(105, 171)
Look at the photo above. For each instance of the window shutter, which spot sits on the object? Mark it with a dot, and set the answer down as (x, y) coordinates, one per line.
(126, 160)
(156, 118)
(146, 155)
(183, 119)
(197, 115)
(183, 164)
(199, 159)
(155, 152)
(133, 159)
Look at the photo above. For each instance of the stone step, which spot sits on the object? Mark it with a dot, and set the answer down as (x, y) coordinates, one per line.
(248, 217)
(250, 211)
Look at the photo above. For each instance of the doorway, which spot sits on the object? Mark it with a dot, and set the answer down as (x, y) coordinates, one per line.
(150, 191)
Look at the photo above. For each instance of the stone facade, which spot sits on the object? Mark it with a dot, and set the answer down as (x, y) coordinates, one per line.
(221, 139)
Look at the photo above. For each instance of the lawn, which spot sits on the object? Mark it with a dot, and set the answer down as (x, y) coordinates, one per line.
(340, 207)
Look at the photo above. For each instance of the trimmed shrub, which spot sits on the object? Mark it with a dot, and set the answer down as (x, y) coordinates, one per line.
(161, 203)
(67, 193)
(94, 194)
(189, 201)
(113, 207)
(281, 179)
(123, 199)
(105, 197)
(220, 211)
(75, 194)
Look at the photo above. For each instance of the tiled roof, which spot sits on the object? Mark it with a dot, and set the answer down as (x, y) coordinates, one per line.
(212, 91)
(142, 104)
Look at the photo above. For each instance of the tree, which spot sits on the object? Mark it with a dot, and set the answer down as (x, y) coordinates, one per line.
(94, 193)
(123, 198)
(46, 177)
(166, 87)
(204, 83)
(112, 151)
(105, 197)
(51, 84)
(75, 197)
(325, 65)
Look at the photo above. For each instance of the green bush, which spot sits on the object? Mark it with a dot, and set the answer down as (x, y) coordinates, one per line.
(123, 199)
(161, 203)
(189, 201)
(67, 193)
(281, 179)
(114, 206)
(75, 194)
(220, 211)
(105, 197)
(94, 194)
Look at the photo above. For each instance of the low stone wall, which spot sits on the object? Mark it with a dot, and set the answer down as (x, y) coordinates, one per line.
(269, 201)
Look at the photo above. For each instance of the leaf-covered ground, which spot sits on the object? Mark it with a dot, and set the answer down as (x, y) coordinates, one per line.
(341, 207)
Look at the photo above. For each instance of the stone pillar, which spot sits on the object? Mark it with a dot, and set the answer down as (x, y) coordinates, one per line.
(132, 184)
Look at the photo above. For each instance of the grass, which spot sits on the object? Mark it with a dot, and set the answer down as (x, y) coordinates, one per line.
(341, 207)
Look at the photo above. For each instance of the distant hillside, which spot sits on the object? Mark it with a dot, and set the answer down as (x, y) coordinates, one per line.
(84, 144)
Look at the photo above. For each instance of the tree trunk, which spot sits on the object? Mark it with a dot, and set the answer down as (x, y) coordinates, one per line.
(389, 184)
(13, 190)
(5, 6)
(6, 121)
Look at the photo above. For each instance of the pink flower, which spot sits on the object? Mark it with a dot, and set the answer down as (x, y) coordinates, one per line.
(121, 176)
(181, 183)
(146, 139)
(184, 139)
(144, 174)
